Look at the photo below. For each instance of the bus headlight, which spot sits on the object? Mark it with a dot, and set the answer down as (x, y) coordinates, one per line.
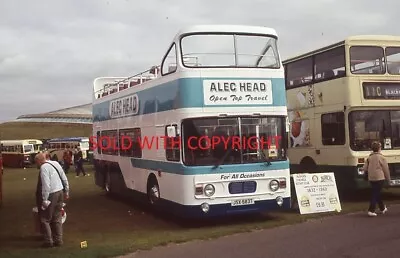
(274, 185)
(209, 190)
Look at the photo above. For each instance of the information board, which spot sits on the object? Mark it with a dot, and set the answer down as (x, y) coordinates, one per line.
(316, 193)
(380, 90)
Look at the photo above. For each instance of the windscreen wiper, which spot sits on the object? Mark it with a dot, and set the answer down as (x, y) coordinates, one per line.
(223, 158)
(263, 154)
(266, 158)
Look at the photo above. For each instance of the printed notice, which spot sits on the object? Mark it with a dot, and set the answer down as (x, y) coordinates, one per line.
(237, 92)
(316, 193)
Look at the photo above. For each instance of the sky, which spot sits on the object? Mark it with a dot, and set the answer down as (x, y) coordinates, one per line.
(51, 51)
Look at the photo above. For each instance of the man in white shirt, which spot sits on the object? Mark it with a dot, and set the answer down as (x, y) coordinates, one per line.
(51, 191)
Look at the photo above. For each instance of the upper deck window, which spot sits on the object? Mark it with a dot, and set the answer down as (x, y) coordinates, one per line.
(230, 50)
(393, 60)
(330, 64)
(299, 72)
(367, 60)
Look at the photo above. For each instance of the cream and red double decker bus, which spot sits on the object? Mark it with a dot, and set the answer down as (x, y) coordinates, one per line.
(341, 98)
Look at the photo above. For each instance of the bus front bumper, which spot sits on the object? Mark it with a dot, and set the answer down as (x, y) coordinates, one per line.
(206, 210)
(363, 184)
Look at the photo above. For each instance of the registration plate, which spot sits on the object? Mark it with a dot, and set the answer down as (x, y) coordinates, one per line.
(242, 202)
(395, 182)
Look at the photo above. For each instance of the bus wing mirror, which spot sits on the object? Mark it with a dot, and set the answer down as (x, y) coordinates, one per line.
(171, 131)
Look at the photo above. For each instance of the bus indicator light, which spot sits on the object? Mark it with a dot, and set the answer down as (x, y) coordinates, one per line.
(282, 183)
(199, 189)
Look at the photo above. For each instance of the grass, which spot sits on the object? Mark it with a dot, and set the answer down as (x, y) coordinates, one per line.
(112, 227)
(26, 130)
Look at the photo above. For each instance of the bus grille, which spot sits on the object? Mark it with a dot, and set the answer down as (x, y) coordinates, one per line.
(242, 187)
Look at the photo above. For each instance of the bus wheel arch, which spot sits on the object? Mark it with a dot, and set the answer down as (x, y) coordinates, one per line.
(153, 189)
(307, 164)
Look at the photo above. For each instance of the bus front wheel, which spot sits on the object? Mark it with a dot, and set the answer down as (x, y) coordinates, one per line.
(153, 190)
(293, 198)
(107, 183)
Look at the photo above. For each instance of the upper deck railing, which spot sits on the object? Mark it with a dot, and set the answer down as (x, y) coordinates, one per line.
(120, 85)
(135, 80)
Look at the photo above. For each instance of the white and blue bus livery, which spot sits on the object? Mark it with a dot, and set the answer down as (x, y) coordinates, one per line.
(215, 81)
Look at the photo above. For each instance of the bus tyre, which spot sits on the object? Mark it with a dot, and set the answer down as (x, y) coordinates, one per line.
(107, 183)
(153, 191)
(294, 203)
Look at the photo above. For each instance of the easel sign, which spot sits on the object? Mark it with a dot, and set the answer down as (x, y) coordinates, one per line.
(316, 192)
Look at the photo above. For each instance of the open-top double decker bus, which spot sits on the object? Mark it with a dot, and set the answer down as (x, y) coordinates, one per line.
(214, 118)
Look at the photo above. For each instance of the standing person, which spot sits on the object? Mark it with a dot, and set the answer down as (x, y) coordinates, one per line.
(78, 157)
(378, 171)
(70, 154)
(52, 184)
(75, 155)
(67, 160)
